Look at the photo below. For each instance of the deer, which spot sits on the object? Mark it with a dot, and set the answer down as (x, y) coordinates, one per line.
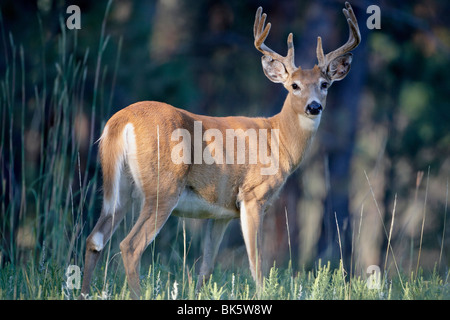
(146, 158)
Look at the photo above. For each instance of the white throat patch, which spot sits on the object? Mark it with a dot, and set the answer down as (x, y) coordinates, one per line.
(308, 123)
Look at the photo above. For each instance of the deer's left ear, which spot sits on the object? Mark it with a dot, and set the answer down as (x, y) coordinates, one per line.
(339, 67)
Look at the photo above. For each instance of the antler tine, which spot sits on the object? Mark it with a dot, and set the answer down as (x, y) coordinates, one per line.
(354, 34)
(319, 52)
(291, 54)
(353, 40)
(260, 33)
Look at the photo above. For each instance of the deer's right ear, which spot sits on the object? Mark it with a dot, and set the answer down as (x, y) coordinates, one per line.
(274, 70)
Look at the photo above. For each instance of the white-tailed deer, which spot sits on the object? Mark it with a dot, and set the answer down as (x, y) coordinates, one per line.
(166, 158)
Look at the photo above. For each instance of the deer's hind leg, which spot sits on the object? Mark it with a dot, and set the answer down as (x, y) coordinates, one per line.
(113, 212)
(153, 216)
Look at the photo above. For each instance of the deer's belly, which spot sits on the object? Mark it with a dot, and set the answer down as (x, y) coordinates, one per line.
(190, 205)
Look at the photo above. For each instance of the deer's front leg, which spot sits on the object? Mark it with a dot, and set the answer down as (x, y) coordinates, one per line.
(215, 230)
(251, 223)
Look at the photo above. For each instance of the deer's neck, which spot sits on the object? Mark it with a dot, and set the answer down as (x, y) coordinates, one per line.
(296, 134)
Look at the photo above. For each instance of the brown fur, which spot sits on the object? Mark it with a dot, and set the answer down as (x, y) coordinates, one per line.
(137, 141)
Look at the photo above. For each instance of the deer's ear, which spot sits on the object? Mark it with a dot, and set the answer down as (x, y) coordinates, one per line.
(339, 67)
(274, 70)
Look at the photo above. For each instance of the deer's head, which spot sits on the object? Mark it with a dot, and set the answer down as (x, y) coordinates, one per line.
(307, 88)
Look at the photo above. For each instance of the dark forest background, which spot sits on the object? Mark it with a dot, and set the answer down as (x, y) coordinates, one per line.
(381, 152)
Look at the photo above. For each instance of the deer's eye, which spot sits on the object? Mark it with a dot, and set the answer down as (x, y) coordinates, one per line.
(324, 85)
(295, 86)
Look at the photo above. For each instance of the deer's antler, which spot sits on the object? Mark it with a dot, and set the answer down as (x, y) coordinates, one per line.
(260, 33)
(352, 42)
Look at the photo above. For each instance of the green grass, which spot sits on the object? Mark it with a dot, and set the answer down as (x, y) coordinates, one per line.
(49, 282)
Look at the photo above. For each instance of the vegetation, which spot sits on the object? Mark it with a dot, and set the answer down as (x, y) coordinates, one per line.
(49, 282)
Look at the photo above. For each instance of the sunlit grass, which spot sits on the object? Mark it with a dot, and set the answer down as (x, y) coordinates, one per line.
(322, 283)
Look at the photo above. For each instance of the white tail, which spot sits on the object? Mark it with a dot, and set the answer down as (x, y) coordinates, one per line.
(210, 167)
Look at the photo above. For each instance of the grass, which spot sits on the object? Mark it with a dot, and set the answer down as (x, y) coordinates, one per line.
(49, 191)
(49, 198)
(49, 282)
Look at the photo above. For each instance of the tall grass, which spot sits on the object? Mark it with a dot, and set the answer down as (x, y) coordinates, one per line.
(324, 282)
(49, 189)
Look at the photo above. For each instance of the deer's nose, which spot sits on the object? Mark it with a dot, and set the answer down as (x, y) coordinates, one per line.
(314, 108)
